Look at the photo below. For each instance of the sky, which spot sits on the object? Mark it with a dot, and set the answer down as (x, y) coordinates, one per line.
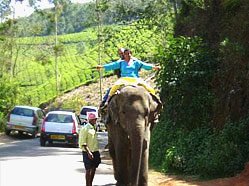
(23, 9)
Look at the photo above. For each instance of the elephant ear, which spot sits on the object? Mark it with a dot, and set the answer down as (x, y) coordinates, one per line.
(113, 110)
(155, 108)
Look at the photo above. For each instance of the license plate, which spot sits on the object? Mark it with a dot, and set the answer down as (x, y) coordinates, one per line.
(19, 127)
(58, 137)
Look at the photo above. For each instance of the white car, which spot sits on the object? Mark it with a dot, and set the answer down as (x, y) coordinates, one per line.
(60, 126)
(25, 119)
(83, 116)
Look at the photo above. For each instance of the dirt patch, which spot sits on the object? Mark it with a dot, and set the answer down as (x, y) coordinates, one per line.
(241, 179)
(12, 138)
(5, 139)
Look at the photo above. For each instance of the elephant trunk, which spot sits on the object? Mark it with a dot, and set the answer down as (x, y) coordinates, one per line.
(136, 139)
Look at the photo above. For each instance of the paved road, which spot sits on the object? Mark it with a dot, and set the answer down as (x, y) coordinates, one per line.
(24, 162)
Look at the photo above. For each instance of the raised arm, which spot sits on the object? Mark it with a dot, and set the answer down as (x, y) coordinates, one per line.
(109, 66)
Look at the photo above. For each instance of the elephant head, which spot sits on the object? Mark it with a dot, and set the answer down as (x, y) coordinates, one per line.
(131, 118)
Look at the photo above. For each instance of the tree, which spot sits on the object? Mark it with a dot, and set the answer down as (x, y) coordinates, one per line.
(4, 9)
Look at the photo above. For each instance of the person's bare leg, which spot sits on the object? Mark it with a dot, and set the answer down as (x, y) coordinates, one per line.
(92, 174)
(88, 178)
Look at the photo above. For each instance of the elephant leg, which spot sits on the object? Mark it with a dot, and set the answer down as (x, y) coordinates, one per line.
(119, 152)
(112, 152)
(143, 179)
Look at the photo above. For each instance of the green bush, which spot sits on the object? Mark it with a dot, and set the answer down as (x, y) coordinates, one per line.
(203, 152)
(184, 141)
(185, 80)
(2, 122)
(8, 94)
(223, 153)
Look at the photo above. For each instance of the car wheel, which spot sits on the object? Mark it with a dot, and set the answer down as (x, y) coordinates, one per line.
(34, 134)
(7, 132)
(50, 142)
(75, 145)
(42, 142)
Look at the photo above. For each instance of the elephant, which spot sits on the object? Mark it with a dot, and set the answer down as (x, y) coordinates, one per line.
(131, 114)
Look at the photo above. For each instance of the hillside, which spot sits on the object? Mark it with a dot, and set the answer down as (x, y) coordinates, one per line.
(88, 94)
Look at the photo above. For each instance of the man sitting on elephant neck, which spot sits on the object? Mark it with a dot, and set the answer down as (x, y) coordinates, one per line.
(129, 68)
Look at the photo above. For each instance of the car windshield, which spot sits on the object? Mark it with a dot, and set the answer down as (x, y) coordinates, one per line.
(85, 110)
(59, 118)
(23, 112)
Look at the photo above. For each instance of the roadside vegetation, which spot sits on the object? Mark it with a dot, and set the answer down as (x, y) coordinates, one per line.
(202, 47)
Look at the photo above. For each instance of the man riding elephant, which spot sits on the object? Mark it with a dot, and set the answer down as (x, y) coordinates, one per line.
(129, 67)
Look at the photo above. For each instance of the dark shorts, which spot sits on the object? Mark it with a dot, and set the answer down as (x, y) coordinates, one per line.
(91, 163)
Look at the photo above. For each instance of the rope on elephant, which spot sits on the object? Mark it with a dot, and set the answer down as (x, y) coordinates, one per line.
(150, 80)
(150, 77)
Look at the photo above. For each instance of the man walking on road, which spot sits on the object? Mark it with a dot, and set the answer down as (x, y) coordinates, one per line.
(90, 148)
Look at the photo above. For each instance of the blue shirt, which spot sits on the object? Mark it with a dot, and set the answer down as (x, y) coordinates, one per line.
(128, 70)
